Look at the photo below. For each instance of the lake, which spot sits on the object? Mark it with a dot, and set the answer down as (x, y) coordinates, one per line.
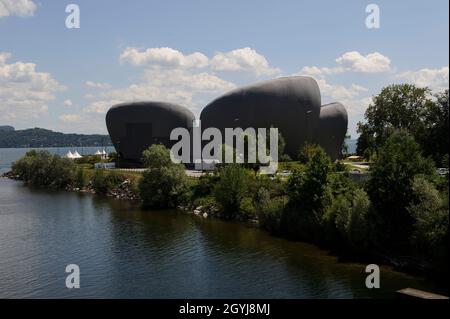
(126, 252)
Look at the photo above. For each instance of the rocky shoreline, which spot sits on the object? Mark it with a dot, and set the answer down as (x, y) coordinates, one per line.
(125, 191)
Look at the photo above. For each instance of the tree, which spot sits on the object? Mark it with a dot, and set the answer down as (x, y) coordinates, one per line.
(431, 216)
(307, 193)
(399, 106)
(163, 187)
(156, 156)
(40, 168)
(307, 152)
(390, 186)
(405, 106)
(350, 213)
(435, 138)
(232, 187)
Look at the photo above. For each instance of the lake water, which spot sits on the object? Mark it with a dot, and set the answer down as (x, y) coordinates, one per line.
(125, 252)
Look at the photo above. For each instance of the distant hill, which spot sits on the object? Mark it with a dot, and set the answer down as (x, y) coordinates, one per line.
(39, 137)
(6, 128)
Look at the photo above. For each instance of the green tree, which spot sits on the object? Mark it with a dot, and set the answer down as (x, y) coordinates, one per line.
(350, 213)
(390, 186)
(232, 187)
(40, 168)
(435, 137)
(431, 215)
(156, 156)
(308, 194)
(164, 187)
(407, 107)
(307, 152)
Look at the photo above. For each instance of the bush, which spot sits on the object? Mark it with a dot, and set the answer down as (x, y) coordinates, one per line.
(232, 187)
(308, 195)
(104, 182)
(164, 187)
(431, 220)
(268, 210)
(156, 156)
(89, 159)
(80, 178)
(390, 185)
(40, 168)
(350, 213)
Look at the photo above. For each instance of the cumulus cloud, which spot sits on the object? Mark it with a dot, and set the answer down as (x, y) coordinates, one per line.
(353, 61)
(97, 85)
(163, 57)
(340, 92)
(24, 92)
(435, 79)
(67, 102)
(243, 60)
(371, 63)
(176, 86)
(70, 118)
(21, 8)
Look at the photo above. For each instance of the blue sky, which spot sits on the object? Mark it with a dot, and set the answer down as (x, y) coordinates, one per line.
(189, 52)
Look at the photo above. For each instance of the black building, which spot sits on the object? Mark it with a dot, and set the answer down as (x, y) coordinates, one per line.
(133, 127)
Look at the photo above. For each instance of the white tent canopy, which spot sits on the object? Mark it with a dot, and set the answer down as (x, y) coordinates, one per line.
(69, 154)
(77, 155)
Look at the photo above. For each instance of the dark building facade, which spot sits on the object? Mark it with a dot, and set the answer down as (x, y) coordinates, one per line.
(291, 104)
(133, 127)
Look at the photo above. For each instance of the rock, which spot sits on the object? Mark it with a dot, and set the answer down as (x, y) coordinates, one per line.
(197, 212)
(205, 215)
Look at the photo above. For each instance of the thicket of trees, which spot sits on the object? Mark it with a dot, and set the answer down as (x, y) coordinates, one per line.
(40, 168)
(411, 108)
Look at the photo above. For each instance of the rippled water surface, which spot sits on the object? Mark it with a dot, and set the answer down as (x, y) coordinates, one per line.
(124, 252)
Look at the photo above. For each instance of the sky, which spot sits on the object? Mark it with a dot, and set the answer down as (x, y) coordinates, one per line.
(190, 52)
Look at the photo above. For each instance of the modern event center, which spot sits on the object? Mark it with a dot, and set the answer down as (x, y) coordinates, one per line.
(291, 104)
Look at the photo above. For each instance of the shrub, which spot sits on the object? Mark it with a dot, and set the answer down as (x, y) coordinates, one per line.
(431, 219)
(308, 194)
(104, 181)
(390, 185)
(350, 213)
(40, 168)
(156, 156)
(268, 210)
(232, 187)
(80, 178)
(164, 187)
(99, 182)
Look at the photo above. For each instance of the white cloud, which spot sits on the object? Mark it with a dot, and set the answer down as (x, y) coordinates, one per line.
(353, 61)
(21, 8)
(371, 63)
(163, 57)
(176, 86)
(243, 60)
(70, 118)
(436, 79)
(67, 102)
(24, 92)
(339, 92)
(97, 85)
